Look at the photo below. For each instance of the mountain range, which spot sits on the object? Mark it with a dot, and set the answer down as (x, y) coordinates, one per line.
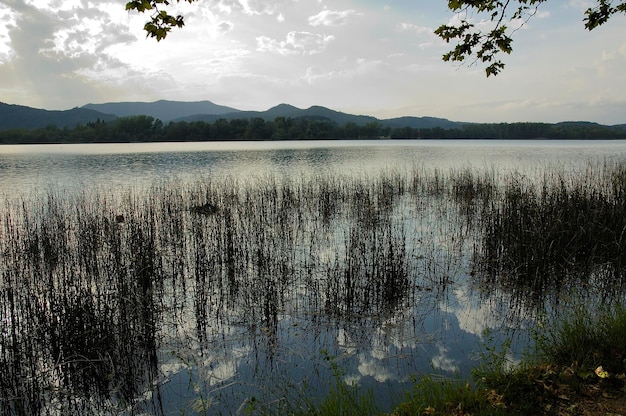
(22, 117)
(28, 118)
(164, 110)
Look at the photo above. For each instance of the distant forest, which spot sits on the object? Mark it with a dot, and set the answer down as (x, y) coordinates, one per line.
(149, 129)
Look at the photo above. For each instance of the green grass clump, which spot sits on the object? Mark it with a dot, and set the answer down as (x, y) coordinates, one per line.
(557, 376)
(587, 338)
(562, 365)
(433, 396)
(344, 398)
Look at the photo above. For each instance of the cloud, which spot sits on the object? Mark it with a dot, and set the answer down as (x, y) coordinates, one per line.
(615, 54)
(345, 342)
(424, 33)
(483, 22)
(54, 52)
(330, 18)
(260, 7)
(295, 43)
(475, 317)
(222, 6)
(582, 4)
(410, 27)
(542, 15)
(8, 18)
(225, 27)
(314, 73)
(374, 368)
(441, 361)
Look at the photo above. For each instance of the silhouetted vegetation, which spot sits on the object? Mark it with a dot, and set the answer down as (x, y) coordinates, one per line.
(557, 234)
(149, 129)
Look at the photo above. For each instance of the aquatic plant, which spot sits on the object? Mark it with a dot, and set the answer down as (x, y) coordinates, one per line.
(97, 287)
(559, 234)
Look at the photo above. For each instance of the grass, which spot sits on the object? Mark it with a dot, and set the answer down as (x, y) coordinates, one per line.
(588, 337)
(344, 398)
(557, 377)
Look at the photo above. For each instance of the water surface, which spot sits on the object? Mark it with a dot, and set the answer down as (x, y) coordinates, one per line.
(27, 167)
(221, 338)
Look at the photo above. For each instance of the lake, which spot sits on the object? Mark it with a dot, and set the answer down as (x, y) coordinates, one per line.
(27, 167)
(226, 277)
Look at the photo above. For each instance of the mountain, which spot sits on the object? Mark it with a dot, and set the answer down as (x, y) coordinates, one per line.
(286, 110)
(22, 117)
(162, 109)
(421, 123)
(318, 112)
(15, 116)
(18, 116)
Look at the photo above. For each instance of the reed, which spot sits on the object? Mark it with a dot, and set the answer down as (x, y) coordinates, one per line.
(95, 284)
(564, 232)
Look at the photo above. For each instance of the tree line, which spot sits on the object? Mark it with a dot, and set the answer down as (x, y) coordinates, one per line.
(149, 129)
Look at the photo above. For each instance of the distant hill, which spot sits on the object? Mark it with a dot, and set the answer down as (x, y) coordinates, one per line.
(286, 110)
(16, 116)
(421, 123)
(21, 117)
(163, 110)
(319, 112)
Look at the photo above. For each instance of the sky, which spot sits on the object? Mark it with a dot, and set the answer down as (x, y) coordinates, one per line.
(371, 57)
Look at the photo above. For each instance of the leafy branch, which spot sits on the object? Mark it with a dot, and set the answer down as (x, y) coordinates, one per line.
(161, 22)
(471, 41)
(486, 46)
(599, 15)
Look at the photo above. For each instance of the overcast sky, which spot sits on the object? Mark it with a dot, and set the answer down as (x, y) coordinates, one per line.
(374, 57)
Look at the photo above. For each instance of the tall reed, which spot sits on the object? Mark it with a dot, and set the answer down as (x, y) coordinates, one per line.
(95, 285)
(564, 232)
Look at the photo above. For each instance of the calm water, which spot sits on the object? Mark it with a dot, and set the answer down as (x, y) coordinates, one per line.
(24, 168)
(236, 358)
